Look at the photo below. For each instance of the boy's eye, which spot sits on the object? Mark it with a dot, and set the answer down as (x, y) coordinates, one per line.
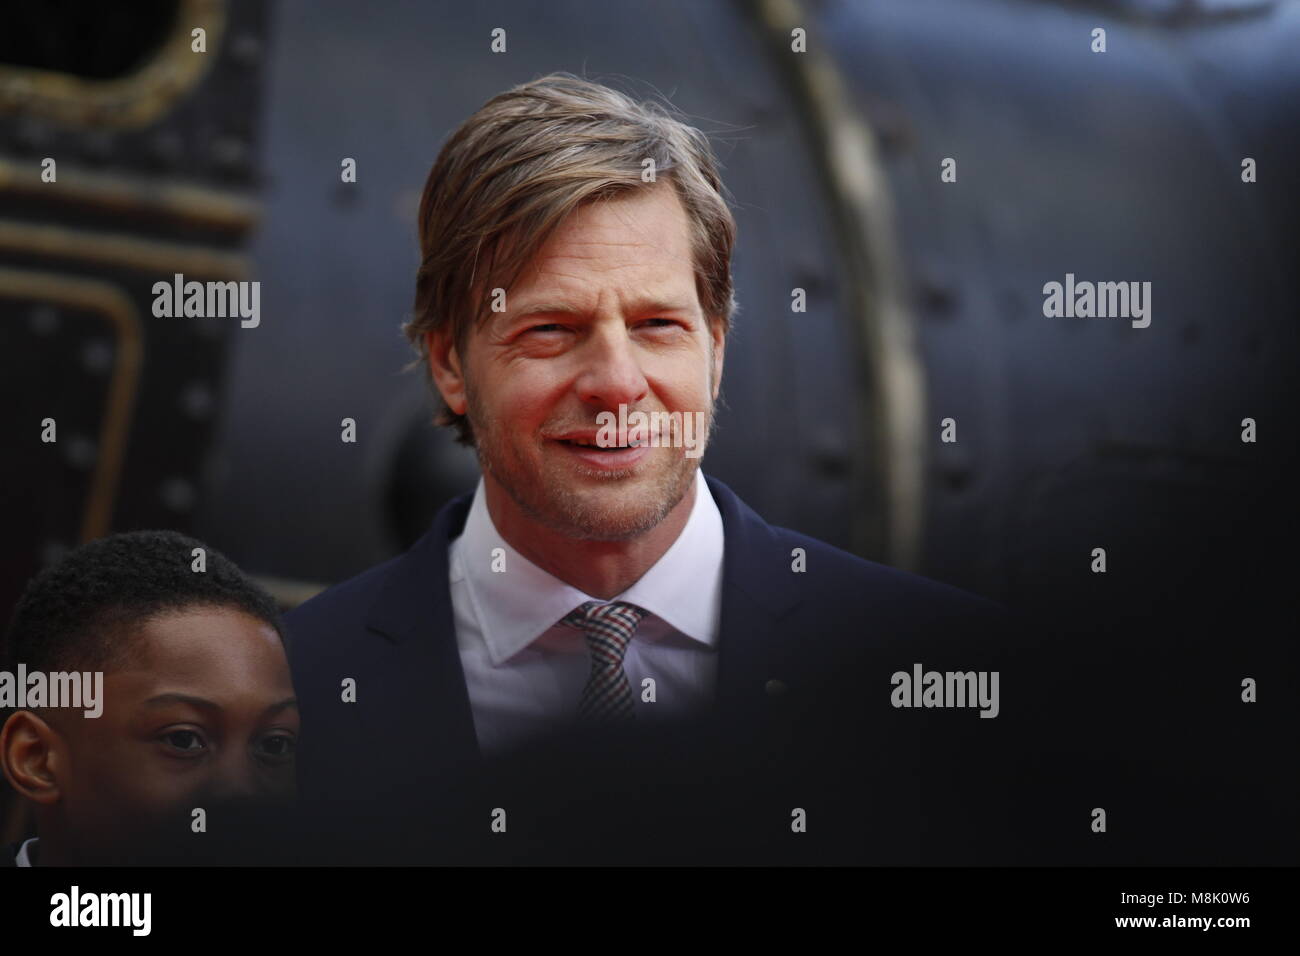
(277, 746)
(185, 741)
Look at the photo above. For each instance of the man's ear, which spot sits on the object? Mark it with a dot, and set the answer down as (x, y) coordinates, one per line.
(33, 756)
(445, 367)
(719, 337)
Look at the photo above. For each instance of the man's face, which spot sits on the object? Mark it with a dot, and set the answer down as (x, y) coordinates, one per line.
(204, 716)
(605, 315)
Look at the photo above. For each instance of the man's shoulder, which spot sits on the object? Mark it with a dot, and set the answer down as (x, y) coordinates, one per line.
(342, 607)
(820, 574)
(335, 628)
(833, 571)
(395, 589)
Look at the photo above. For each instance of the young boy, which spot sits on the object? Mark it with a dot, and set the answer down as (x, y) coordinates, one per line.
(150, 713)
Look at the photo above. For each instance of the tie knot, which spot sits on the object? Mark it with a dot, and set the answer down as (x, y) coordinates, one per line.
(608, 626)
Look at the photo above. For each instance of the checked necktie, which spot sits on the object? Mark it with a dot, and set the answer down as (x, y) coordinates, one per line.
(608, 629)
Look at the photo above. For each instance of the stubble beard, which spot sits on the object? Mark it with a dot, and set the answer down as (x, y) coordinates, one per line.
(587, 513)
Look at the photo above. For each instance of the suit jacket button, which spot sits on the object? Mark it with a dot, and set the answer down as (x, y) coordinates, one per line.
(775, 688)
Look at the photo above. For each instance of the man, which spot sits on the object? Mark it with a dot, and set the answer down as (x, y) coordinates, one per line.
(181, 743)
(596, 577)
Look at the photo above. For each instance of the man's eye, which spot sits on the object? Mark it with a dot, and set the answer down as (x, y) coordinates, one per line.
(666, 322)
(546, 327)
(277, 746)
(186, 741)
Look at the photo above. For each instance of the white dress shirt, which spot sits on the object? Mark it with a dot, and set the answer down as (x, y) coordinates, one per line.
(525, 673)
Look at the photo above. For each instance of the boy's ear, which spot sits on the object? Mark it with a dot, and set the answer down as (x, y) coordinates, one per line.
(32, 755)
(445, 367)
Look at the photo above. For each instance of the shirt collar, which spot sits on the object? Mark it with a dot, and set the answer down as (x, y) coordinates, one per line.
(684, 587)
(23, 857)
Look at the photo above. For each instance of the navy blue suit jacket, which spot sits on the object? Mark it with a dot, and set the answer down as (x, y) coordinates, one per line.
(802, 721)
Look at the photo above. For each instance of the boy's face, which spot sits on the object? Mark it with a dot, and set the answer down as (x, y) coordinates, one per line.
(202, 717)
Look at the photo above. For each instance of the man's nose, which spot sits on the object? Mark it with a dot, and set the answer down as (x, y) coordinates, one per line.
(611, 370)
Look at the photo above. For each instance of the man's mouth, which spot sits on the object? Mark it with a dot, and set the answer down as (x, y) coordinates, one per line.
(615, 457)
(583, 443)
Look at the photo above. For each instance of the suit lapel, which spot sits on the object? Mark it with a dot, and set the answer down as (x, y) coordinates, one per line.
(413, 691)
(756, 662)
